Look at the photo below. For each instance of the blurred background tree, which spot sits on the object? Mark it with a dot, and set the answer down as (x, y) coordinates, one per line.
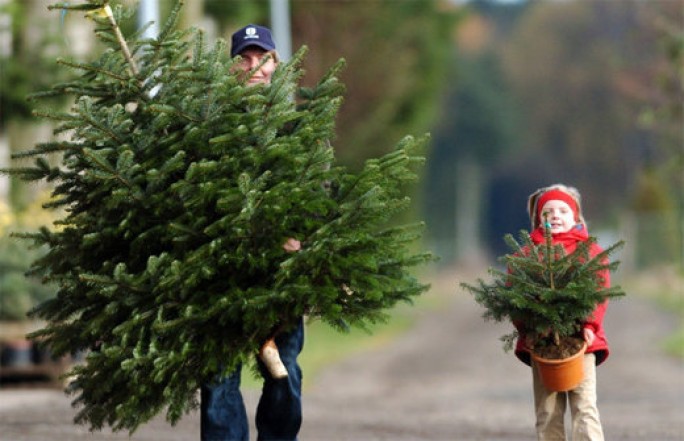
(477, 126)
(31, 38)
(577, 77)
(19, 293)
(660, 210)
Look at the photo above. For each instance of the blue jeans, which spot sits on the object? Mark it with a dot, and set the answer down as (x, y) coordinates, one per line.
(279, 412)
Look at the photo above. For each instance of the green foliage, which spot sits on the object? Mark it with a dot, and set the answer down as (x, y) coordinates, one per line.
(400, 53)
(477, 126)
(546, 291)
(180, 185)
(581, 104)
(18, 293)
(235, 13)
(25, 69)
(480, 120)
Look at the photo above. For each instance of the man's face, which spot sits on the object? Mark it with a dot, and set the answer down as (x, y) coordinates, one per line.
(250, 58)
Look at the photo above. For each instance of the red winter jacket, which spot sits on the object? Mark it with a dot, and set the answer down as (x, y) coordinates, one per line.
(595, 321)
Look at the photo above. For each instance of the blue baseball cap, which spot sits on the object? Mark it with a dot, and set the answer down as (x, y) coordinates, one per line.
(251, 35)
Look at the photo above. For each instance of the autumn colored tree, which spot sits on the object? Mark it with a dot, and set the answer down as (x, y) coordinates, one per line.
(585, 72)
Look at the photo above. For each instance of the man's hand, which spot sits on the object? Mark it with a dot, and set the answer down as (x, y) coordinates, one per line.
(291, 245)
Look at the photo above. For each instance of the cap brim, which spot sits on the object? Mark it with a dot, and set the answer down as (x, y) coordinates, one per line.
(245, 44)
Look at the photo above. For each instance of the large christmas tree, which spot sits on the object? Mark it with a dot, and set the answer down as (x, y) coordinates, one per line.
(179, 185)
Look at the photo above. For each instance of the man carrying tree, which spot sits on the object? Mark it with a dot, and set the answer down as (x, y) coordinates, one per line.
(175, 253)
(279, 412)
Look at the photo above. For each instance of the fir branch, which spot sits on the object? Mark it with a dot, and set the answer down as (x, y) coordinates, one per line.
(86, 115)
(93, 69)
(92, 6)
(57, 116)
(122, 41)
(111, 171)
(171, 22)
(172, 110)
(545, 290)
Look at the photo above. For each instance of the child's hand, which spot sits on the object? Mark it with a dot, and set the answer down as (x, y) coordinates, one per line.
(291, 245)
(589, 336)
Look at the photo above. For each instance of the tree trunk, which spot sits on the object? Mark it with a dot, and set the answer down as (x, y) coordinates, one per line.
(469, 192)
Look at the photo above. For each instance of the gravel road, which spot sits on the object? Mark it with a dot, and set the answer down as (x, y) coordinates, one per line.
(448, 379)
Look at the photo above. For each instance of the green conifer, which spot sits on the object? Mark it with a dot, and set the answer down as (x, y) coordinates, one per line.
(544, 289)
(180, 185)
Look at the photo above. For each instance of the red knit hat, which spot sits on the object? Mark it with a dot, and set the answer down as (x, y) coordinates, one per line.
(556, 195)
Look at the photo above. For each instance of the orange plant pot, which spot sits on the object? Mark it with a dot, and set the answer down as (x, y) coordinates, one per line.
(564, 374)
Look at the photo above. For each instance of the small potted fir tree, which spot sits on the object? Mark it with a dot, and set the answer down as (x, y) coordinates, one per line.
(548, 293)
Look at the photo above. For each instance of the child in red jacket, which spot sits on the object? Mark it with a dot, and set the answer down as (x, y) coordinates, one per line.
(560, 205)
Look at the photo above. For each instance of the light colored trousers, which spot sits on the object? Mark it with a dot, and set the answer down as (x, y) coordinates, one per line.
(550, 407)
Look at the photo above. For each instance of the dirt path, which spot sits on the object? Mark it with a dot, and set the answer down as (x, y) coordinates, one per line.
(446, 380)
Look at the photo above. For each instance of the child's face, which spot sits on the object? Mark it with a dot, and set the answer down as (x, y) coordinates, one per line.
(559, 215)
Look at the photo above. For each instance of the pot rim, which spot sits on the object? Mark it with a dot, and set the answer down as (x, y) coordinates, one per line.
(577, 354)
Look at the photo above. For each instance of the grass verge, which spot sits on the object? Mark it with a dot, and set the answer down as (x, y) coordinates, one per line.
(665, 286)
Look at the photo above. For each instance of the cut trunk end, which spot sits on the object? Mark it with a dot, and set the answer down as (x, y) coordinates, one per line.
(270, 356)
